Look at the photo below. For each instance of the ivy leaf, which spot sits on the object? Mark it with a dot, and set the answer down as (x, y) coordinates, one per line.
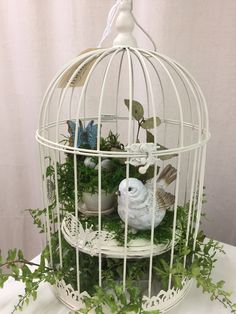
(20, 254)
(11, 255)
(177, 282)
(149, 123)
(34, 294)
(137, 109)
(26, 271)
(195, 271)
(220, 284)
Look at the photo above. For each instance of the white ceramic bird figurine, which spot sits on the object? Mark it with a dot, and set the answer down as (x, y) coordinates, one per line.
(140, 200)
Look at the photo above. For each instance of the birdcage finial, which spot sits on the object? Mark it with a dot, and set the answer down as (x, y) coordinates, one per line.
(125, 25)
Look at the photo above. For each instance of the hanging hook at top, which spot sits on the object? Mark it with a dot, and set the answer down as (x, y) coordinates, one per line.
(125, 24)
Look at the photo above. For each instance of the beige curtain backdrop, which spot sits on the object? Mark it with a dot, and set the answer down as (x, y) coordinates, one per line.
(38, 37)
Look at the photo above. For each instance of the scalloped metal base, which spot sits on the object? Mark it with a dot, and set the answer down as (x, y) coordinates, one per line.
(164, 301)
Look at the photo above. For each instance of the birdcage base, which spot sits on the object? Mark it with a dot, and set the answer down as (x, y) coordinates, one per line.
(163, 301)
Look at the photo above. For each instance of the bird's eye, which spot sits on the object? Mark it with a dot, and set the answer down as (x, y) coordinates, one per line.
(129, 189)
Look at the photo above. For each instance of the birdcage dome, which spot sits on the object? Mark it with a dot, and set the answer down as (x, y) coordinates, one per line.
(97, 84)
(122, 136)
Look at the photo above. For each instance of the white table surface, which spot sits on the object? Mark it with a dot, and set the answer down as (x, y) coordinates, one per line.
(194, 303)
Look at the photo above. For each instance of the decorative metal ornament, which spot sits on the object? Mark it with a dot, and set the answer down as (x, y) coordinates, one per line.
(94, 129)
(147, 161)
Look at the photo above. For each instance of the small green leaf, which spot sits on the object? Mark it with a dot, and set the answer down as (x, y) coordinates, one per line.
(195, 270)
(177, 282)
(150, 123)
(220, 284)
(150, 137)
(11, 255)
(20, 254)
(137, 109)
(34, 294)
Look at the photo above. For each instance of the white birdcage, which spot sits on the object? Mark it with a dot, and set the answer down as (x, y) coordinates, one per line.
(100, 94)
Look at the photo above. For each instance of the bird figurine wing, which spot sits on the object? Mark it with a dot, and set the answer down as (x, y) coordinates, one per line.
(164, 199)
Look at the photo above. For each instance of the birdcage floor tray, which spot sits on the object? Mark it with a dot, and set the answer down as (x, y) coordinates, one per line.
(82, 235)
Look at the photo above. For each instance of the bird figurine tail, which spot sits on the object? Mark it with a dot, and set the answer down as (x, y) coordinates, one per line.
(166, 177)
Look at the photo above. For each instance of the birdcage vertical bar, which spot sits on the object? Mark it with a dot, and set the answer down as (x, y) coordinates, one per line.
(196, 189)
(44, 204)
(118, 88)
(200, 195)
(99, 160)
(58, 208)
(130, 75)
(175, 218)
(45, 200)
(76, 215)
(149, 88)
(191, 201)
(99, 218)
(152, 231)
(70, 102)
